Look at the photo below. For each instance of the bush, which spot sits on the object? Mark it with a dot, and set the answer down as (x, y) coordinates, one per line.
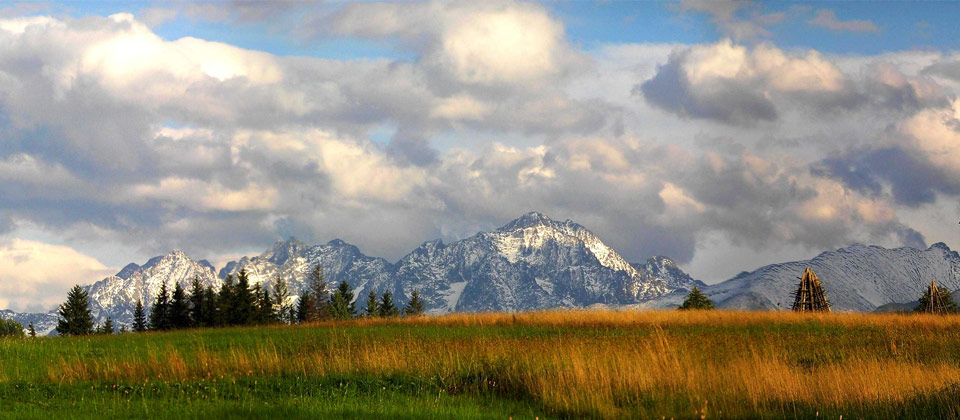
(11, 329)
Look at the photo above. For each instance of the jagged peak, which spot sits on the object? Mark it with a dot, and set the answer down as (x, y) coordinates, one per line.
(283, 250)
(531, 219)
(338, 243)
(940, 245)
(128, 271)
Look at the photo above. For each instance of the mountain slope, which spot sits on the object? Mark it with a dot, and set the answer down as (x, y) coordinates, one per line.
(43, 323)
(856, 278)
(116, 296)
(530, 263)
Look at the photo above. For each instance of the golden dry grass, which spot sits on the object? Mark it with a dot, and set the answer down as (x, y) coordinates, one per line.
(605, 364)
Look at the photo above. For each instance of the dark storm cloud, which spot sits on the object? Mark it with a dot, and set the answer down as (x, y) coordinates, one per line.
(729, 101)
(913, 180)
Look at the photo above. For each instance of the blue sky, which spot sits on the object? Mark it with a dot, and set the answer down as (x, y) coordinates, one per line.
(725, 135)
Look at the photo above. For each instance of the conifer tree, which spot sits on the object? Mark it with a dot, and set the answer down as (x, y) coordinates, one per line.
(415, 306)
(280, 295)
(179, 308)
(696, 300)
(306, 308)
(321, 299)
(373, 307)
(244, 301)
(74, 317)
(108, 326)
(197, 304)
(387, 308)
(32, 331)
(264, 307)
(139, 318)
(208, 315)
(341, 305)
(225, 302)
(160, 313)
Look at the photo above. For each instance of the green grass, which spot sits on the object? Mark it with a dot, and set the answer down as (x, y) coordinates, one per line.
(540, 365)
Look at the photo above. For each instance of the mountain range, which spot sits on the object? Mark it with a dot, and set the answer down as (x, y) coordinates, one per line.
(533, 263)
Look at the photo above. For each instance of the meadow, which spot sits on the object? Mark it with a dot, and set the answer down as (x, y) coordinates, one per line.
(565, 364)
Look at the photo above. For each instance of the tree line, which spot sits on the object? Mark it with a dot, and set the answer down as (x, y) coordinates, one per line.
(237, 303)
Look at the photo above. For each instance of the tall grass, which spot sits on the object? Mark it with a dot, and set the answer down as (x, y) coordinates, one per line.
(575, 363)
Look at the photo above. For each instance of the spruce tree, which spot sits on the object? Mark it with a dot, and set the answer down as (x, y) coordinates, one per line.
(264, 308)
(280, 295)
(306, 308)
(225, 302)
(696, 300)
(244, 301)
(160, 313)
(139, 318)
(387, 308)
(179, 308)
(108, 326)
(415, 305)
(74, 317)
(321, 299)
(341, 305)
(373, 307)
(197, 306)
(208, 315)
(33, 332)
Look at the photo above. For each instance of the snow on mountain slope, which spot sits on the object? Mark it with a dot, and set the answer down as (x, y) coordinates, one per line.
(293, 260)
(43, 323)
(856, 278)
(116, 296)
(530, 263)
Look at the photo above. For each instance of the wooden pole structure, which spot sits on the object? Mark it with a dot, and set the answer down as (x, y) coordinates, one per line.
(936, 304)
(809, 296)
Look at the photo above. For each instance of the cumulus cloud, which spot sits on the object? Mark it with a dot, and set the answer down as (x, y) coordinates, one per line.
(36, 275)
(828, 19)
(733, 84)
(112, 133)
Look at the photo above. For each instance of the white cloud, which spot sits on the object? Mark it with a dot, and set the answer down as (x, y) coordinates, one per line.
(36, 275)
(828, 19)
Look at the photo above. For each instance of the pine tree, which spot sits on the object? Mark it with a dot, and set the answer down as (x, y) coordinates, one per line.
(139, 319)
(74, 317)
(306, 308)
(197, 303)
(244, 301)
(108, 326)
(373, 308)
(225, 302)
(208, 316)
(179, 308)
(33, 332)
(341, 305)
(387, 308)
(415, 305)
(696, 300)
(264, 307)
(160, 313)
(280, 295)
(321, 299)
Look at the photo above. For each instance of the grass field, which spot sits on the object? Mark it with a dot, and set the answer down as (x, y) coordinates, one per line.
(714, 364)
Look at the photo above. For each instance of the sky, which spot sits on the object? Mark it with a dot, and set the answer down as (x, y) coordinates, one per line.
(725, 135)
